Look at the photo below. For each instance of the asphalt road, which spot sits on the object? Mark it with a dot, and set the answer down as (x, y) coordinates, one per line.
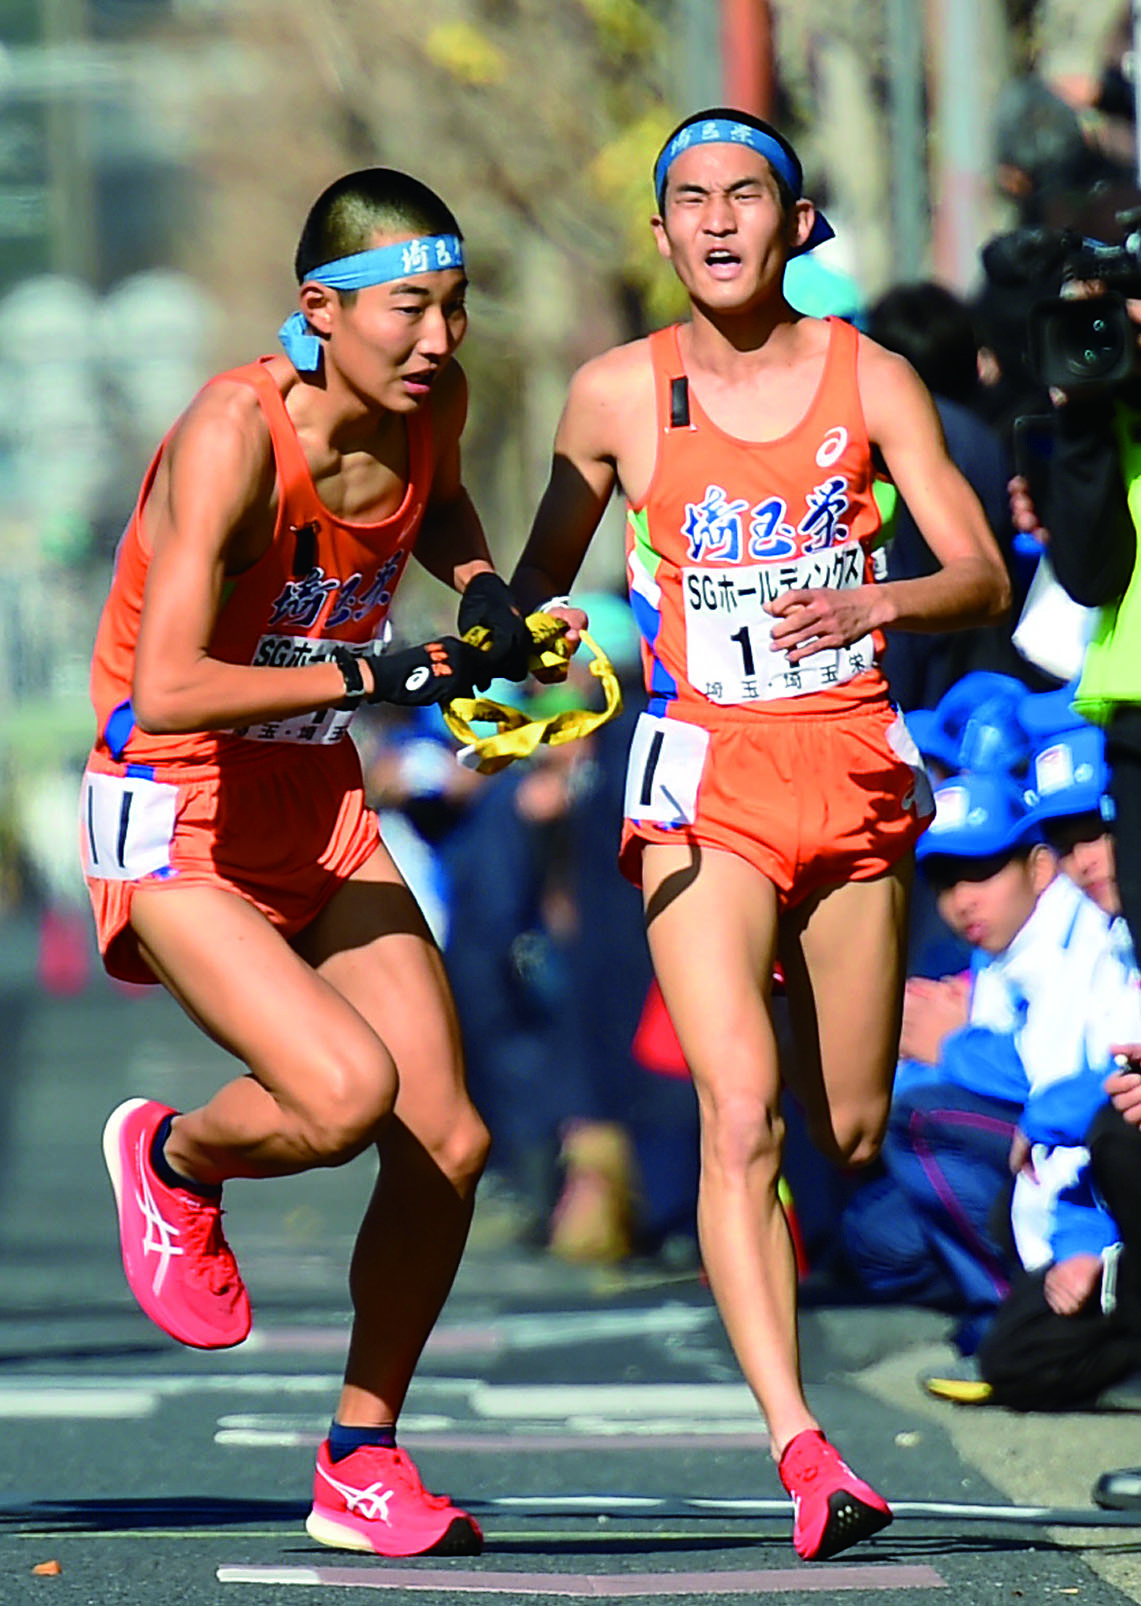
(594, 1420)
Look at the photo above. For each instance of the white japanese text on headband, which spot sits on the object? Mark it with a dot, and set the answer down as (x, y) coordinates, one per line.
(426, 254)
(724, 131)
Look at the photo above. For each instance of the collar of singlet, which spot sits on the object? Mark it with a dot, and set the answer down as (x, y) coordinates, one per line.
(407, 258)
(724, 131)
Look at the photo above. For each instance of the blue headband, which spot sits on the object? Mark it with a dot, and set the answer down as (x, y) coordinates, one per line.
(723, 131)
(426, 254)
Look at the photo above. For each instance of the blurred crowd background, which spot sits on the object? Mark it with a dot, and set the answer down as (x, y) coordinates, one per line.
(157, 158)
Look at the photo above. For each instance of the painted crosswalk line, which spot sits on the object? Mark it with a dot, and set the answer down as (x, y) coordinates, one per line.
(609, 1586)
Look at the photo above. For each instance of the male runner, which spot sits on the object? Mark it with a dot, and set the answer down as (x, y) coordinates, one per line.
(227, 845)
(773, 795)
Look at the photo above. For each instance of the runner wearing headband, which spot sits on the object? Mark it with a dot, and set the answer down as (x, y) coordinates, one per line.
(226, 842)
(773, 796)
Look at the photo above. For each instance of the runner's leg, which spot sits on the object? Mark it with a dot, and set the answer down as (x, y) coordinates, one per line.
(321, 1082)
(843, 953)
(372, 945)
(712, 926)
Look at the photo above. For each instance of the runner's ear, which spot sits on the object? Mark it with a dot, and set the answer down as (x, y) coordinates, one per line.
(317, 302)
(803, 222)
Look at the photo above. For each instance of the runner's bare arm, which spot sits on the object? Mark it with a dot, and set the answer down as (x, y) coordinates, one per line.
(583, 476)
(451, 544)
(210, 515)
(971, 586)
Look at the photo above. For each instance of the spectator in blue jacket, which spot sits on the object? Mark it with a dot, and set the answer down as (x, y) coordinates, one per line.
(924, 1230)
(1071, 1325)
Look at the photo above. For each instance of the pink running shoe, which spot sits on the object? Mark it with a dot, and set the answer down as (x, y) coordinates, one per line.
(834, 1508)
(178, 1264)
(373, 1500)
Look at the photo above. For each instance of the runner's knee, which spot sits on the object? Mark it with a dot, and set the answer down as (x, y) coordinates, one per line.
(345, 1108)
(461, 1151)
(849, 1138)
(741, 1131)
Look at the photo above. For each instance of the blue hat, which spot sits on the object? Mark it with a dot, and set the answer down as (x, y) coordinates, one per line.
(993, 737)
(1071, 776)
(943, 733)
(929, 735)
(1045, 713)
(977, 815)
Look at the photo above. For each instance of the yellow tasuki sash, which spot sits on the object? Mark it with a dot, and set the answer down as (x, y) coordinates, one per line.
(517, 735)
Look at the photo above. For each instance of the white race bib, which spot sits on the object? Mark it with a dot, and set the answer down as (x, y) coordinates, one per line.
(729, 655)
(667, 757)
(322, 725)
(125, 826)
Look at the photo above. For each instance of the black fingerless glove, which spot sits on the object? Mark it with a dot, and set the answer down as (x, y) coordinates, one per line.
(488, 602)
(433, 673)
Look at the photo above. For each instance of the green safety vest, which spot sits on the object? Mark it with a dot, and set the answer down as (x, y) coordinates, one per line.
(1111, 672)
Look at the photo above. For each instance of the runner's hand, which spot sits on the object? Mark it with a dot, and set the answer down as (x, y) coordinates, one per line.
(488, 602)
(433, 673)
(576, 622)
(815, 620)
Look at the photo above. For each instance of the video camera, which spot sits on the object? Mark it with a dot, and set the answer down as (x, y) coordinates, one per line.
(1074, 344)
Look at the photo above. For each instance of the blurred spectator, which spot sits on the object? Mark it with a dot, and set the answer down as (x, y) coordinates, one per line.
(547, 947)
(1017, 273)
(1070, 777)
(1071, 1325)
(1025, 1050)
(1064, 166)
(508, 923)
(974, 724)
(420, 795)
(621, 1104)
(1042, 157)
(933, 329)
(1110, 119)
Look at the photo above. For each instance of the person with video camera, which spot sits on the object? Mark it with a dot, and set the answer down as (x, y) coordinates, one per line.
(1087, 348)
(1084, 347)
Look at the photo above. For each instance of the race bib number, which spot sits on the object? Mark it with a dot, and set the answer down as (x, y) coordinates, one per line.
(323, 725)
(729, 654)
(667, 757)
(126, 825)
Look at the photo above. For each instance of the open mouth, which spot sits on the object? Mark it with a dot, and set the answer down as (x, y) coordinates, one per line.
(420, 383)
(722, 262)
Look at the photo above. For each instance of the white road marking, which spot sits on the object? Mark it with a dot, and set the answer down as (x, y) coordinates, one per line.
(111, 1404)
(616, 1401)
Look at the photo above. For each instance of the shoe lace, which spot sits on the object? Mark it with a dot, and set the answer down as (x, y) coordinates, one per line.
(209, 1257)
(809, 1461)
(405, 1469)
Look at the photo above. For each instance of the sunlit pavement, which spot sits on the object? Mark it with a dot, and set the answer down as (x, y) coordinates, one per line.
(593, 1418)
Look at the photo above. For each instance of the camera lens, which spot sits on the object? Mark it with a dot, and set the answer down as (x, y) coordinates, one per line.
(1093, 345)
(1074, 343)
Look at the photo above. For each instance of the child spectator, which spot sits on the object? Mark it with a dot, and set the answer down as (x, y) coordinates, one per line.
(923, 1231)
(1071, 1325)
(1071, 778)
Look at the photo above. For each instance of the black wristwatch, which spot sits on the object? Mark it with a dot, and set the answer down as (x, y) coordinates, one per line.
(350, 668)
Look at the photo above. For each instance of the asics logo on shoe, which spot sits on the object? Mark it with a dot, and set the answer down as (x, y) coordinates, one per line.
(371, 1503)
(160, 1234)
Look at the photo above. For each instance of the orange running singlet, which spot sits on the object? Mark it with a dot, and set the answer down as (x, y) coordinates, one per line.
(275, 813)
(728, 525)
(322, 580)
(804, 770)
